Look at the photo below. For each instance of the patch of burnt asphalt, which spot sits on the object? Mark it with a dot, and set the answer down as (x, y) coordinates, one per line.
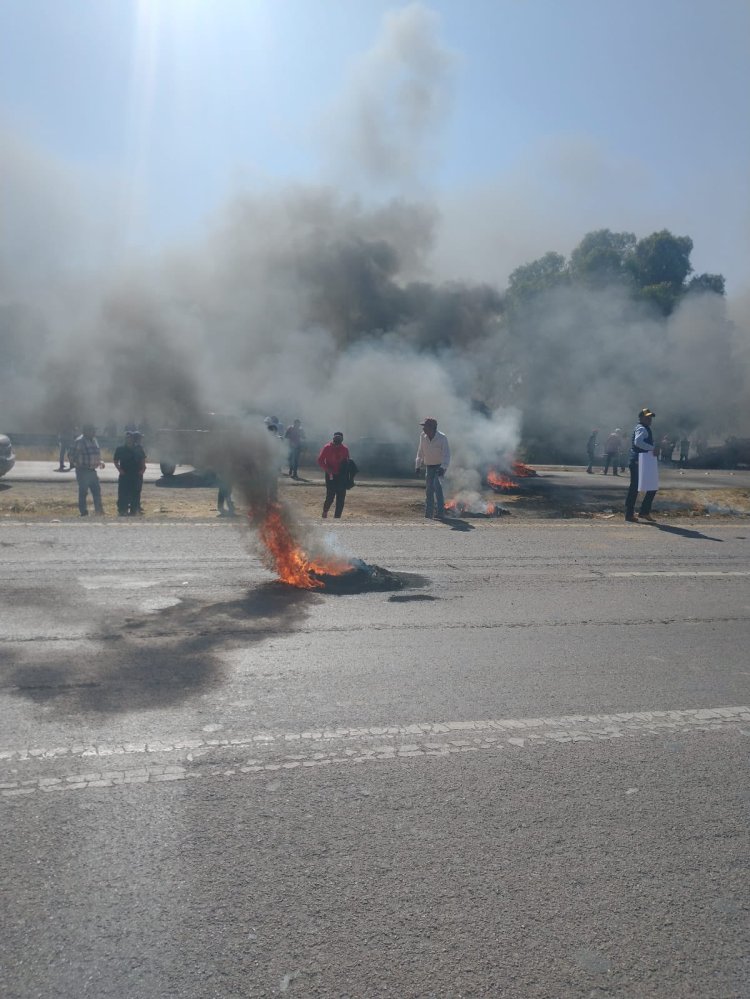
(156, 660)
(160, 658)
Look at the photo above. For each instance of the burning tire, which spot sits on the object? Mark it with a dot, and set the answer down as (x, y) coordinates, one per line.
(359, 578)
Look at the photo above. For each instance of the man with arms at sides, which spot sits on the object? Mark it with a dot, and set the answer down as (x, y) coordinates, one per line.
(333, 459)
(434, 455)
(86, 458)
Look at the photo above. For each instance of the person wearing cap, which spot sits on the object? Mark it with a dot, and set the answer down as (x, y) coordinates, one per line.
(644, 469)
(130, 461)
(612, 452)
(86, 458)
(334, 460)
(434, 455)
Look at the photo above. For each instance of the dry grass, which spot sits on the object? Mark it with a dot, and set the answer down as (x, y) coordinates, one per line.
(390, 500)
(59, 501)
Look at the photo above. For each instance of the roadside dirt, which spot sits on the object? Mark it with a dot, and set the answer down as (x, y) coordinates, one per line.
(393, 500)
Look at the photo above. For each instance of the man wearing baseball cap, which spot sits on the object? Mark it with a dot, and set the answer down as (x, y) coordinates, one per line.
(644, 475)
(434, 455)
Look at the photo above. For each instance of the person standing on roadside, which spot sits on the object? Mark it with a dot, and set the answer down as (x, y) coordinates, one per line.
(612, 452)
(130, 461)
(65, 439)
(591, 450)
(294, 436)
(644, 468)
(622, 450)
(141, 452)
(86, 458)
(334, 460)
(434, 455)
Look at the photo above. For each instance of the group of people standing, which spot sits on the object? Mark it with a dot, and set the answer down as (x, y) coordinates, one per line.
(667, 448)
(643, 462)
(614, 451)
(433, 454)
(129, 459)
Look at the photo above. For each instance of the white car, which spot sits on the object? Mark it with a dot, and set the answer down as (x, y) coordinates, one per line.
(7, 457)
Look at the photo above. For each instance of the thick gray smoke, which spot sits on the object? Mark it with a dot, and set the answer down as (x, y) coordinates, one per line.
(384, 129)
(308, 302)
(299, 303)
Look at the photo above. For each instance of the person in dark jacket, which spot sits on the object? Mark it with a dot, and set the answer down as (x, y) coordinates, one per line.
(591, 450)
(130, 461)
(334, 460)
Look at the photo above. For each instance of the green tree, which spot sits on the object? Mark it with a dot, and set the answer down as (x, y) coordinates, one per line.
(601, 258)
(530, 280)
(706, 283)
(660, 264)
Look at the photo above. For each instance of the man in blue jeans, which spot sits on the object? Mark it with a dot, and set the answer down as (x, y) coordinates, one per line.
(434, 455)
(86, 458)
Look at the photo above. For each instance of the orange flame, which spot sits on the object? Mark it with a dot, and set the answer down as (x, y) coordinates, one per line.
(288, 559)
(523, 471)
(461, 507)
(498, 481)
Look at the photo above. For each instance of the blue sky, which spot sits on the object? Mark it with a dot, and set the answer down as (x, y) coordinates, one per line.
(537, 120)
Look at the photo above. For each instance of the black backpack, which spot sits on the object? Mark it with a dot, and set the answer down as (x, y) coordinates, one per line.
(350, 470)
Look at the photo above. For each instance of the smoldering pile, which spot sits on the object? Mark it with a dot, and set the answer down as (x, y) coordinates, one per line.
(358, 577)
(472, 505)
(248, 458)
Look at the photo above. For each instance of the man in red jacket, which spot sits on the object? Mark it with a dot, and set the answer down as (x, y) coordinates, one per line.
(333, 459)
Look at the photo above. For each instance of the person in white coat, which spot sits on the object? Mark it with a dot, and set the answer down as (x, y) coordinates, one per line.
(434, 455)
(644, 468)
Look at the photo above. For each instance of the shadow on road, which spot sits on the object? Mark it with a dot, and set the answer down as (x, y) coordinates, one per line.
(683, 532)
(456, 524)
(188, 480)
(161, 658)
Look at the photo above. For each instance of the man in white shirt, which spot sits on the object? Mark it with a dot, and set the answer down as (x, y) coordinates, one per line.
(434, 455)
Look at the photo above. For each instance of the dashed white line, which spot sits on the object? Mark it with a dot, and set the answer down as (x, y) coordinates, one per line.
(325, 747)
(680, 573)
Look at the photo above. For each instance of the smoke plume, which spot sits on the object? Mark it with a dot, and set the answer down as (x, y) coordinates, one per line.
(310, 301)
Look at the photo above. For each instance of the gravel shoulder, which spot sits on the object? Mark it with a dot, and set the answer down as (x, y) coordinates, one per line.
(554, 494)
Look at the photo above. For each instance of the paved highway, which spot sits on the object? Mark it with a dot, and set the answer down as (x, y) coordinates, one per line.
(523, 775)
(670, 478)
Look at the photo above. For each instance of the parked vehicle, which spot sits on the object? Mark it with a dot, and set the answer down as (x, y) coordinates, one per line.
(733, 453)
(195, 446)
(179, 447)
(7, 455)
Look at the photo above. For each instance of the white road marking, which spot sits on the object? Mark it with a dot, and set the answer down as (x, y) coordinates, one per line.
(116, 583)
(281, 751)
(681, 573)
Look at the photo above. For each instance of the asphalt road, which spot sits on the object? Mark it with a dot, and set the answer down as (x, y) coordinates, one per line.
(47, 471)
(670, 478)
(523, 775)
